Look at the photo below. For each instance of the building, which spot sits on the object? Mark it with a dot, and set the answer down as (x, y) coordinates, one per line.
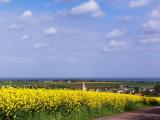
(84, 88)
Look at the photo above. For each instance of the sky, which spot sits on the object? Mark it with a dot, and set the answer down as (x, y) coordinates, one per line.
(79, 38)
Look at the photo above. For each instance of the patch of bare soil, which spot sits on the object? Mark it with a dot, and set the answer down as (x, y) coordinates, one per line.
(152, 113)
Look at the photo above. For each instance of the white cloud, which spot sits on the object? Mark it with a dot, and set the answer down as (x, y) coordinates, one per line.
(150, 40)
(116, 45)
(155, 13)
(98, 14)
(50, 31)
(152, 24)
(25, 37)
(5, 1)
(14, 26)
(27, 13)
(116, 33)
(138, 3)
(87, 7)
(151, 28)
(40, 45)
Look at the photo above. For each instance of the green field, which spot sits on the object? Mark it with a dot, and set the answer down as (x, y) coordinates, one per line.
(75, 85)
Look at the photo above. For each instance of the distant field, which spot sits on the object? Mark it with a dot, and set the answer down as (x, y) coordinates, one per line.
(75, 85)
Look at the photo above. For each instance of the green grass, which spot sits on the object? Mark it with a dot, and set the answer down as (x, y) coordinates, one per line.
(74, 85)
(83, 113)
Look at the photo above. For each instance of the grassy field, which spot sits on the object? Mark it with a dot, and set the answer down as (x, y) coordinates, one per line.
(74, 85)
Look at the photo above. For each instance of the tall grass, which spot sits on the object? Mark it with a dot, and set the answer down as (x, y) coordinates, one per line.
(83, 113)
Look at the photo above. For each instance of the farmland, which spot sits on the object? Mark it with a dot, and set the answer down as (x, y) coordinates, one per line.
(52, 100)
(74, 85)
(48, 104)
(64, 100)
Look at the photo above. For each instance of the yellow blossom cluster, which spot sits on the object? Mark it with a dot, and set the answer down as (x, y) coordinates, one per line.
(34, 100)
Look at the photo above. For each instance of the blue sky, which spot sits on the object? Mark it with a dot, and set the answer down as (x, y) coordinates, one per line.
(79, 38)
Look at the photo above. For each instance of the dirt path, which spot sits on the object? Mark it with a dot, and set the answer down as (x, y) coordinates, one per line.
(146, 114)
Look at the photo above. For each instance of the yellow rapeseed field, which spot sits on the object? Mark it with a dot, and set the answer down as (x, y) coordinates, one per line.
(35, 100)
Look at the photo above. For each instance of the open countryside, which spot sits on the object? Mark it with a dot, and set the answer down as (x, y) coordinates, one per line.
(70, 100)
(79, 59)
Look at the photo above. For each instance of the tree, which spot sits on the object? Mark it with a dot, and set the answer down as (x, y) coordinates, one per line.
(157, 89)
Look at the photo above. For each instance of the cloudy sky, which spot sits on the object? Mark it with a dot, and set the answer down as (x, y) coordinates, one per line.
(79, 38)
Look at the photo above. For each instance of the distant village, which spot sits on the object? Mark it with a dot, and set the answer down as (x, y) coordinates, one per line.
(134, 88)
(126, 89)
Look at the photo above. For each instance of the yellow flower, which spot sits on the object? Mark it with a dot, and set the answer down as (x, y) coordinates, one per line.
(29, 100)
